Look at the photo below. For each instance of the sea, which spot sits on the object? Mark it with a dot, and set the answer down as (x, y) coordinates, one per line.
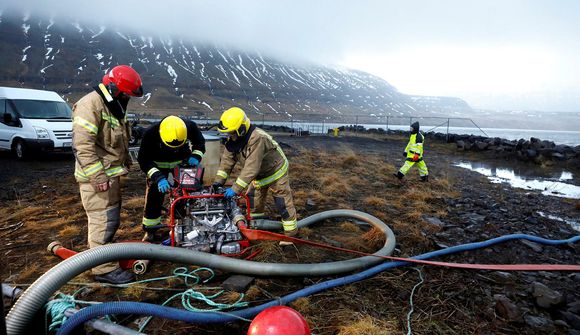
(571, 138)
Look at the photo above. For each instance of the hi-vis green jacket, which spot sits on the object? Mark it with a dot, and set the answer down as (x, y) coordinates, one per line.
(415, 146)
(262, 160)
(100, 140)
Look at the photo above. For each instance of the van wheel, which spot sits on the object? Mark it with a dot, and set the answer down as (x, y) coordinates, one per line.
(20, 150)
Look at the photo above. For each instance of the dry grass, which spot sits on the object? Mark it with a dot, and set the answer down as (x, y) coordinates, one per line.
(375, 201)
(134, 203)
(374, 239)
(349, 227)
(70, 231)
(253, 293)
(302, 305)
(367, 325)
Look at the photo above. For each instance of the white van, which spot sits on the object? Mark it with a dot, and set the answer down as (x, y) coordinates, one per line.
(33, 120)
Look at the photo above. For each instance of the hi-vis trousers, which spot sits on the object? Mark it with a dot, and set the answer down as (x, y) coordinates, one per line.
(282, 199)
(103, 211)
(420, 165)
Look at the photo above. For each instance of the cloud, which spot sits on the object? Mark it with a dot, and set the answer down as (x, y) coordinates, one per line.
(402, 34)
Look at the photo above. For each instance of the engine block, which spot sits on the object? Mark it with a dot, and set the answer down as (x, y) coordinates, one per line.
(208, 224)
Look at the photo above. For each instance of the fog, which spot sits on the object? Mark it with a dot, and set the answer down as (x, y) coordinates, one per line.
(497, 54)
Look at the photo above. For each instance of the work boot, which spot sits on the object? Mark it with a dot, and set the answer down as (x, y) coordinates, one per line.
(117, 276)
(151, 236)
(399, 175)
(425, 178)
(289, 233)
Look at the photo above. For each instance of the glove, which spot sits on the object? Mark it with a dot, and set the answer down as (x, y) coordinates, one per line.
(415, 157)
(163, 185)
(216, 185)
(230, 193)
(404, 154)
(192, 161)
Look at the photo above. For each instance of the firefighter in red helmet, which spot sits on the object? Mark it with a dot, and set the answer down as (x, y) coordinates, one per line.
(101, 136)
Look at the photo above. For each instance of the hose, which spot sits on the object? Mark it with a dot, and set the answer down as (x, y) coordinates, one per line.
(110, 308)
(41, 290)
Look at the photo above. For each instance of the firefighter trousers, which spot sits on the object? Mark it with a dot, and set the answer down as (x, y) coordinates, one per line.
(103, 211)
(282, 194)
(153, 206)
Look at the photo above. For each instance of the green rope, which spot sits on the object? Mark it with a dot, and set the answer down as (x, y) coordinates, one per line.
(57, 307)
(190, 296)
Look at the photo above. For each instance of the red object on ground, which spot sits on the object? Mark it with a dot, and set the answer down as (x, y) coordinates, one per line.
(279, 320)
(64, 253)
(254, 234)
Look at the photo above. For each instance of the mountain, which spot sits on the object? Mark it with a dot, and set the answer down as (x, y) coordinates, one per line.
(182, 77)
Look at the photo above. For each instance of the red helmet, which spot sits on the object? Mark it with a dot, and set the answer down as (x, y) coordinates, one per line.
(123, 79)
(279, 320)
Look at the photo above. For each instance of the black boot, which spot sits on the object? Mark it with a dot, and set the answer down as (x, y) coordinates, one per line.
(425, 178)
(399, 175)
(117, 276)
(149, 235)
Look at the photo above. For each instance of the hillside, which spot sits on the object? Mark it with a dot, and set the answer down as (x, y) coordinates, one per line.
(195, 79)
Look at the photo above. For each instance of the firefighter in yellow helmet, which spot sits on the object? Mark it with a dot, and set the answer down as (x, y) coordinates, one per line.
(263, 167)
(165, 145)
(414, 154)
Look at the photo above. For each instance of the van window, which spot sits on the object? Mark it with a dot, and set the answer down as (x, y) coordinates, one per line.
(2, 106)
(37, 109)
(9, 109)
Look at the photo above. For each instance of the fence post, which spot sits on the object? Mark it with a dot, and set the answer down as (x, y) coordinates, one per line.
(356, 123)
(447, 131)
(387, 123)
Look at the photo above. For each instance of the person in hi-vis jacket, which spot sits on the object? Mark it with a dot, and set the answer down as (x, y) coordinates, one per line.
(414, 154)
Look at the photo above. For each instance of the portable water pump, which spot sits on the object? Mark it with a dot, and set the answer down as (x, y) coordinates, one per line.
(201, 218)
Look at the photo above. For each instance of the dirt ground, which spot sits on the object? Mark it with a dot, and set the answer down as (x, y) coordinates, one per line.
(39, 203)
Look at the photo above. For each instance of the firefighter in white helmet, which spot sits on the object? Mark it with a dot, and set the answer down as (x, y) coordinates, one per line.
(263, 167)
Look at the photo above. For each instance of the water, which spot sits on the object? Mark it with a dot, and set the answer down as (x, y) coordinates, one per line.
(571, 138)
(573, 223)
(552, 185)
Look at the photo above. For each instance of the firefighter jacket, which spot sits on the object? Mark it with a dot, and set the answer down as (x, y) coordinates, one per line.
(415, 146)
(261, 158)
(100, 137)
(156, 159)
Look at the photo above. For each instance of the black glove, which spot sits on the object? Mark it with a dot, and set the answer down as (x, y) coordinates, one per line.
(404, 154)
(216, 186)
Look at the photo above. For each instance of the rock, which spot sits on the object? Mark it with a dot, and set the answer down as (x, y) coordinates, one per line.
(538, 322)
(572, 319)
(533, 245)
(506, 308)
(434, 221)
(310, 204)
(479, 145)
(546, 297)
(237, 283)
(460, 144)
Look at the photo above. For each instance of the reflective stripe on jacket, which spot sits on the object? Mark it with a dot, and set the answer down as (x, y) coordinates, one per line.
(156, 159)
(100, 141)
(262, 160)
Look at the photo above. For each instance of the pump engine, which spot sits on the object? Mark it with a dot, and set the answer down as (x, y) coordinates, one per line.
(202, 221)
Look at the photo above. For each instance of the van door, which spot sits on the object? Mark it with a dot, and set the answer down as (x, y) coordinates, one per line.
(9, 123)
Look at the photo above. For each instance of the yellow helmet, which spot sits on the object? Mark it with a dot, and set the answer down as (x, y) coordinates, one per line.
(173, 131)
(234, 120)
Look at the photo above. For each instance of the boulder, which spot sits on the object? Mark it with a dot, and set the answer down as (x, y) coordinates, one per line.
(545, 296)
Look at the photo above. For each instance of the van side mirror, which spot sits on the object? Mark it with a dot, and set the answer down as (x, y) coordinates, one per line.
(7, 118)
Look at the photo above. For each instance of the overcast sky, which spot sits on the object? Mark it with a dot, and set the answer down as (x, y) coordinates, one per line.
(503, 54)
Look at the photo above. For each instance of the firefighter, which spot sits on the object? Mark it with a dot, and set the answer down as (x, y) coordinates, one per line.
(414, 154)
(165, 145)
(263, 167)
(101, 136)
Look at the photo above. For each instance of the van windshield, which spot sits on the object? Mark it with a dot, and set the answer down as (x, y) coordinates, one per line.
(38, 109)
